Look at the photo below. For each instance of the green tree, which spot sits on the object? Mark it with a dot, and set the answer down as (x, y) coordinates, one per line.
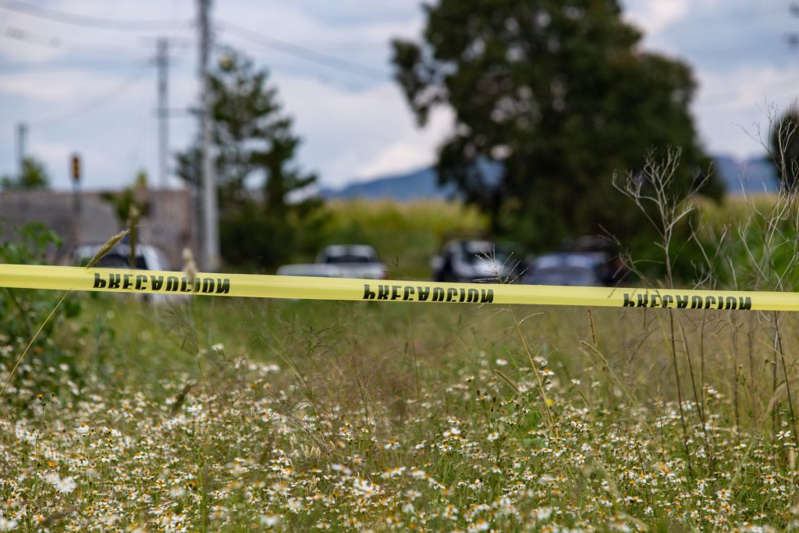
(784, 146)
(253, 141)
(34, 176)
(130, 197)
(129, 206)
(551, 99)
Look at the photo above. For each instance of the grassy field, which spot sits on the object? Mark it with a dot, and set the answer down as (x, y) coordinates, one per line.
(233, 415)
(250, 415)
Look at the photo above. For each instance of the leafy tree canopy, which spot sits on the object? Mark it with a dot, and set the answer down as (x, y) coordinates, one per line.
(266, 212)
(34, 176)
(784, 146)
(560, 95)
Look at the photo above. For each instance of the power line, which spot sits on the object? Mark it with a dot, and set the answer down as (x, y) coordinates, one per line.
(302, 52)
(28, 37)
(296, 50)
(93, 103)
(86, 20)
(98, 100)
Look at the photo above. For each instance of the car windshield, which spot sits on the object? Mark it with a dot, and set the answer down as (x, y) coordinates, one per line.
(348, 258)
(488, 255)
(567, 260)
(119, 261)
(349, 254)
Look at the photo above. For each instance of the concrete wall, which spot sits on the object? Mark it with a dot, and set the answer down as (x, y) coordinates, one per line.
(170, 225)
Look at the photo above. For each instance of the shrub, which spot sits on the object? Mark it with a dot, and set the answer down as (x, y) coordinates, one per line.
(49, 364)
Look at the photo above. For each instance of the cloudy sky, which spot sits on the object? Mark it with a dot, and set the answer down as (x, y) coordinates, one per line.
(83, 83)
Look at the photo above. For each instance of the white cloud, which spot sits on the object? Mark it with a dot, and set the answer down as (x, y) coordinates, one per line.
(652, 16)
(401, 155)
(354, 131)
(740, 59)
(64, 86)
(41, 38)
(413, 150)
(108, 120)
(24, 47)
(746, 87)
(734, 109)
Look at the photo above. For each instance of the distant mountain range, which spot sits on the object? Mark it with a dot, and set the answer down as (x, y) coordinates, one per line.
(750, 176)
(407, 187)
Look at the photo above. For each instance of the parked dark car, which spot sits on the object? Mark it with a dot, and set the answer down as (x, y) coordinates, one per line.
(567, 268)
(610, 267)
(472, 261)
(147, 257)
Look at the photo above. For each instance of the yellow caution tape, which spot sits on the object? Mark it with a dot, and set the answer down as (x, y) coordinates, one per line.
(299, 287)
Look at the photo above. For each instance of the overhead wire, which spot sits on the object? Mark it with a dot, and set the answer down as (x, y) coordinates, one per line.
(287, 47)
(96, 101)
(302, 52)
(19, 34)
(87, 20)
(25, 36)
(299, 51)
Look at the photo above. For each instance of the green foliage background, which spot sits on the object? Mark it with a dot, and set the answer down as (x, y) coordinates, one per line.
(266, 211)
(22, 312)
(34, 176)
(784, 148)
(562, 97)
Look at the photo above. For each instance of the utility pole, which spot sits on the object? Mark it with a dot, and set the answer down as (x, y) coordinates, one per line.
(210, 225)
(22, 132)
(162, 61)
